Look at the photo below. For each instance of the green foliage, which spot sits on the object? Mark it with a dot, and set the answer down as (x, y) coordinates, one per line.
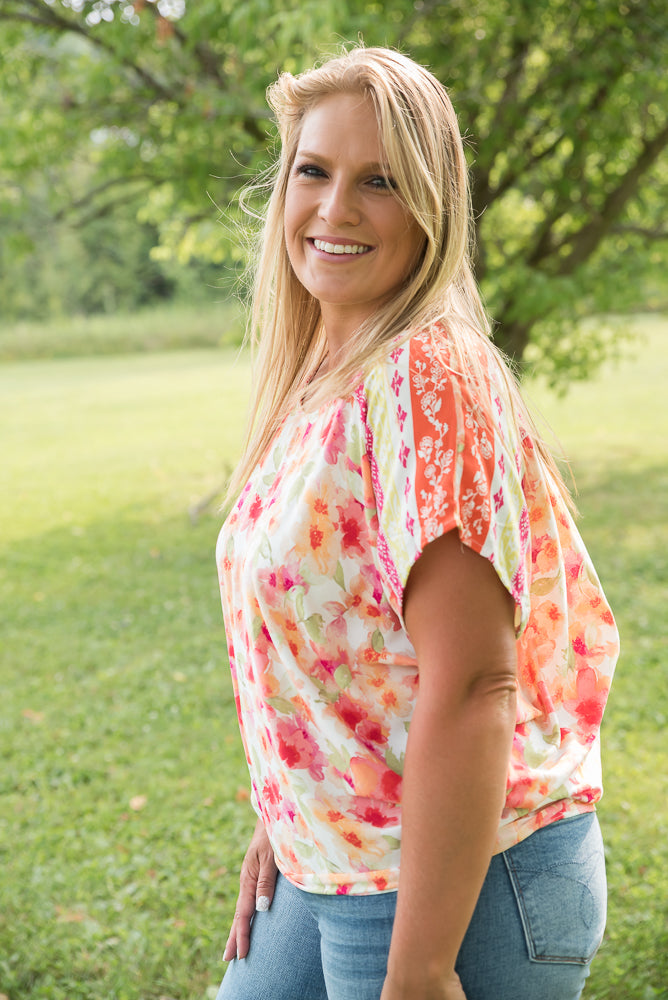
(123, 812)
(156, 111)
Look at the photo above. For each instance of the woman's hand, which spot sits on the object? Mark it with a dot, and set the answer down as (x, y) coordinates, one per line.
(257, 882)
(447, 988)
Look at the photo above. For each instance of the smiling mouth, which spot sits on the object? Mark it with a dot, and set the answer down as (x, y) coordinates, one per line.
(341, 248)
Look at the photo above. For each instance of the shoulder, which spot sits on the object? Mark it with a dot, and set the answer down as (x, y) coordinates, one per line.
(442, 377)
(410, 356)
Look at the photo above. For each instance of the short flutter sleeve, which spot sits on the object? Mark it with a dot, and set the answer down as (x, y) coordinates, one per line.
(442, 454)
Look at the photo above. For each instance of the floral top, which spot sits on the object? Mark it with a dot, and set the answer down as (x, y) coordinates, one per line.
(313, 561)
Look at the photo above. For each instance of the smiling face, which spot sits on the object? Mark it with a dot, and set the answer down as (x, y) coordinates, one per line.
(350, 241)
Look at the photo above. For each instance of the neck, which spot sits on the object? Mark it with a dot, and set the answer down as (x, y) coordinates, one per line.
(339, 329)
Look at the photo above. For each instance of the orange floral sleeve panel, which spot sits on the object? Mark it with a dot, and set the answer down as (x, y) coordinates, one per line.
(313, 560)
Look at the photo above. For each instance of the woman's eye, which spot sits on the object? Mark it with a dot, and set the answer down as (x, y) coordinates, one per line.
(383, 183)
(309, 170)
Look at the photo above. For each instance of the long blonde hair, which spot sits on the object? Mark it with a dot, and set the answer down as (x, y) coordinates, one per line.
(426, 160)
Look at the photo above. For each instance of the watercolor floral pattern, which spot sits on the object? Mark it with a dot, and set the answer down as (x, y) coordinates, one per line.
(313, 560)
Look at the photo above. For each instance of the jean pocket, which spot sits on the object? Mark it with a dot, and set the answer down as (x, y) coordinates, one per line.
(558, 877)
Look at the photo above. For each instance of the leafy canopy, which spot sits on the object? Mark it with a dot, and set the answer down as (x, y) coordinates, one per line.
(157, 108)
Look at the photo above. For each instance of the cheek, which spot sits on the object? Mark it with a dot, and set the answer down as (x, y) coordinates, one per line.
(414, 242)
(294, 213)
(288, 222)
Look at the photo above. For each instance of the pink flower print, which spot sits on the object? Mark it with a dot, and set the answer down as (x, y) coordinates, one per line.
(544, 555)
(267, 586)
(298, 749)
(353, 839)
(375, 816)
(326, 667)
(573, 564)
(354, 598)
(502, 465)
(279, 580)
(351, 525)
(349, 711)
(548, 617)
(373, 779)
(404, 452)
(518, 793)
(369, 494)
(337, 626)
(588, 794)
(357, 719)
(271, 792)
(370, 731)
(401, 417)
(580, 646)
(334, 438)
(315, 537)
(517, 584)
(255, 509)
(397, 380)
(498, 500)
(591, 693)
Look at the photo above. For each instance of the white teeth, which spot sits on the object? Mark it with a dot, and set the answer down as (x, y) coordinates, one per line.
(340, 247)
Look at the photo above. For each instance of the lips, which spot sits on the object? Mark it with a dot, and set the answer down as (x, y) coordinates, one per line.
(340, 248)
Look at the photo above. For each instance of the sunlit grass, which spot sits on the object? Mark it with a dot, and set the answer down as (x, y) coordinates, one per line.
(615, 431)
(122, 809)
(123, 814)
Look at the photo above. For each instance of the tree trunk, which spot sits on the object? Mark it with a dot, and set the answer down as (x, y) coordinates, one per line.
(512, 336)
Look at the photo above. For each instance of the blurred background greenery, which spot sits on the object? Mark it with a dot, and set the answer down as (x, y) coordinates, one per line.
(127, 129)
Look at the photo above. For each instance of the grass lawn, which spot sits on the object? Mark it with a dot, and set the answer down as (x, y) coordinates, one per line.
(123, 803)
(162, 327)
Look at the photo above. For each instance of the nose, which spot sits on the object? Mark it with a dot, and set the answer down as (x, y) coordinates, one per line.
(339, 205)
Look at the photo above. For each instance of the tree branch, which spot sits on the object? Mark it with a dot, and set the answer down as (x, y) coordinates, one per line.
(588, 237)
(206, 57)
(647, 234)
(94, 193)
(103, 210)
(47, 17)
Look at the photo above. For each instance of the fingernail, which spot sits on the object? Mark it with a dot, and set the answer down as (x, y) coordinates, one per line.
(262, 904)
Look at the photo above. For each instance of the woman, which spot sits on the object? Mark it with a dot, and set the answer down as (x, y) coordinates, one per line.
(420, 648)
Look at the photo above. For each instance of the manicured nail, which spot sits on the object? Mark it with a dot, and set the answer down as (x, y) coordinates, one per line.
(262, 904)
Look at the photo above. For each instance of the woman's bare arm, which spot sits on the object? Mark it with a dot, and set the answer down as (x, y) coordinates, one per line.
(460, 620)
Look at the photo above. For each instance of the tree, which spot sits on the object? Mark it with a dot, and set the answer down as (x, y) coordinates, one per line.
(161, 104)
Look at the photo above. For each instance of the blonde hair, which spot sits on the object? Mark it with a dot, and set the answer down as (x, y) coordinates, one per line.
(426, 160)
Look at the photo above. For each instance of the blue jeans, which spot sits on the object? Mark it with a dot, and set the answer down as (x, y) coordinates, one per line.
(537, 925)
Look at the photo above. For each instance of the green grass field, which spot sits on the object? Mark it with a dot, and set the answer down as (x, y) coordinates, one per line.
(123, 803)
